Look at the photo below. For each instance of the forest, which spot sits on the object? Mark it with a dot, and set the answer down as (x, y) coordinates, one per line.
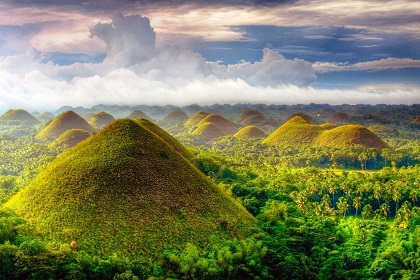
(319, 210)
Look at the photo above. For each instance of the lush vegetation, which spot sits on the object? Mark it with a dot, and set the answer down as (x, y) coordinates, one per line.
(319, 211)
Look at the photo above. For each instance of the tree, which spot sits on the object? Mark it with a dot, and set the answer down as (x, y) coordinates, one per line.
(342, 206)
(357, 203)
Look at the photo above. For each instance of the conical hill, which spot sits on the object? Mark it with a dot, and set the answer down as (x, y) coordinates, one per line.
(252, 117)
(352, 134)
(223, 123)
(125, 191)
(296, 132)
(63, 122)
(16, 117)
(101, 119)
(209, 131)
(250, 132)
(174, 117)
(139, 114)
(70, 138)
(195, 118)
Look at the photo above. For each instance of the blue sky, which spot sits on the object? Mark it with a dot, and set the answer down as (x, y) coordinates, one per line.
(82, 53)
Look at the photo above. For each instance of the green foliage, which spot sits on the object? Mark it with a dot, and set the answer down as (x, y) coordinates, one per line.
(251, 132)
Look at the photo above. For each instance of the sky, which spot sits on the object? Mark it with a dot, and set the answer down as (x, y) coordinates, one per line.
(178, 52)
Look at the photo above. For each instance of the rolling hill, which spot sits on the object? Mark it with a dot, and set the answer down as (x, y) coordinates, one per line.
(252, 117)
(63, 122)
(194, 119)
(174, 117)
(209, 131)
(70, 138)
(139, 114)
(126, 191)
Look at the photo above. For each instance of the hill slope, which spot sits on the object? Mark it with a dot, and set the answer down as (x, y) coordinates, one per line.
(195, 118)
(209, 131)
(174, 117)
(139, 114)
(18, 117)
(126, 191)
(63, 122)
(70, 138)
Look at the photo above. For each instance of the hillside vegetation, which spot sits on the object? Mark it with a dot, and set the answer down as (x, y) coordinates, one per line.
(126, 191)
(101, 119)
(250, 132)
(18, 117)
(70, 138)
(221, 122)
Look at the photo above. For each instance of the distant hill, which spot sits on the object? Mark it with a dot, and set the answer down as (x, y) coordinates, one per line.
(125, 191)
(298, 131)
(174, 117)
(139, 114)
(351, 134)
(209, 131)
(45, 117)
(195, 118)
(327, 126)
(63, 122)
(416, 121)
(101, 119)
(70, 138)
(300, 114)
(252, 117)
(339, 118)
(250, 132)
(220, 121)
(16, 117)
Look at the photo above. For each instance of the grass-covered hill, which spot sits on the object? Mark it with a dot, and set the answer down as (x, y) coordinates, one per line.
(298, 131)
(70, 138)
(250, 132)
(328, 126)
(346, 135)
(302, 115)
(209, 131)
(139, 114)
(63, 122)
(15, 117)
(194, 119)
(101, 119)
(125, 191)
(221, 122)
(175, 116)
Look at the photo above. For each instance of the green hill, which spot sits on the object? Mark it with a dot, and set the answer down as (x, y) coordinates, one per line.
(70, 138)
(250, 132)
(125, 191)
(45, 117)
(63, 122)
(195, 118)
(209, 131)
(296, 132)
(223, 123)
(352, 134)
(174, 117)
(252, 117)
(15, 117)
(101, 119)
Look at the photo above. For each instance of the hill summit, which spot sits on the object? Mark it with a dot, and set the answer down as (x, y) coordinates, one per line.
(63, 122)
(125, 190)
(101, 119)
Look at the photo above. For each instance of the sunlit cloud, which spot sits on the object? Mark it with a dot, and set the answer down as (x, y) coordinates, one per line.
(376, 65)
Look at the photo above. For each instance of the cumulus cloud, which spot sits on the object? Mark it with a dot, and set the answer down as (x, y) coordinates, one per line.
(375, 65)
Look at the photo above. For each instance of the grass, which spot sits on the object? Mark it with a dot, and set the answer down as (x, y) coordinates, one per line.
(195, 119)
(209, 131)
(63, 122)
(126, 191)
(175, 116)
(70, 138)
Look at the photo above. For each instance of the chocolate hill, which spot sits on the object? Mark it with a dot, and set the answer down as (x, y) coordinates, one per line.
(101, 119)
(16, 117)
(300, 132)
(126, 191)
(63, 122)
(70, 138)
(250, 132)
(195, 118)
(209, 131)
(139, 114)
(252, 117)
(174, 117)
(224, 124)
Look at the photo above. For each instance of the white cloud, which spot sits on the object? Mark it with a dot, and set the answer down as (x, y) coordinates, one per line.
(375, 65)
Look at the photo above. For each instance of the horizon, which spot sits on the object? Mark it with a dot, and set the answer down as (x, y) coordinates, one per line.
(81, 53)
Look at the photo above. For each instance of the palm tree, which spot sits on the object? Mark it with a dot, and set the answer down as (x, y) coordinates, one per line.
(357, 203)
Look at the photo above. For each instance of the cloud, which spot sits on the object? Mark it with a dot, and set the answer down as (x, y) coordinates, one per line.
(376, 65)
